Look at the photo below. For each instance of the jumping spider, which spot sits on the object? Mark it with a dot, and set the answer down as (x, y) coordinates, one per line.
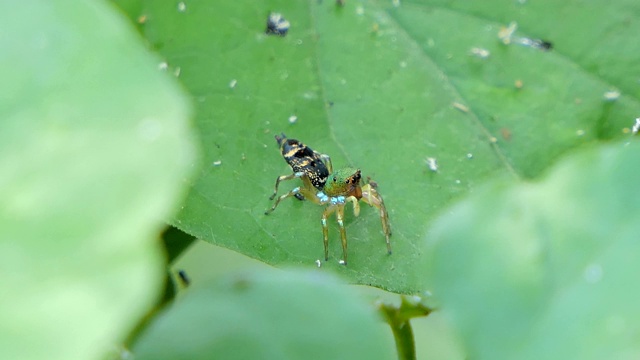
(323, 186)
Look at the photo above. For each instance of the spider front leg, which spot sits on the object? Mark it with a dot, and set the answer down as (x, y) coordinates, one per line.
(343, 233)
(325, 230)
(371, 196)
(356, 205)
(339, 210)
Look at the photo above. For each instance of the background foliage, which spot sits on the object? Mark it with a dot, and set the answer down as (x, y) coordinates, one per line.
(95, 151)
(93, 148)
(559, 252)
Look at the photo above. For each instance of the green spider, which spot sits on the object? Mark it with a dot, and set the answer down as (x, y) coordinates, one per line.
(323, 186)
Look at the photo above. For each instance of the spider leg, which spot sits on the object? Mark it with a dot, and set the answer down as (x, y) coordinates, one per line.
(325, 229)
(306, 193)
(371, 196)
(356, 205)
(343, 232)
(283, 178)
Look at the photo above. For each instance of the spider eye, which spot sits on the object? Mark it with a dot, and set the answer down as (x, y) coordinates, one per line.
(334, 179)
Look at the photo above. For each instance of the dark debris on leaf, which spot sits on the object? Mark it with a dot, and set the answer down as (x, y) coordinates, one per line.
(277, 25)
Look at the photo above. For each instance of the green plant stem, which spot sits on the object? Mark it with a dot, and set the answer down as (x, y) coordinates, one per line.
(398, 318)
(405, 343)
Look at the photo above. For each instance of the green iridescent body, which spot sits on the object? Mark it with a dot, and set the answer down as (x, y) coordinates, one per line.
(322, 186)
(345, 182)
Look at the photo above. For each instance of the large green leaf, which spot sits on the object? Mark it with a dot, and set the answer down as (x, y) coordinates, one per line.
(550, 272)
(258, 316)
(384, 87)
(93, 149)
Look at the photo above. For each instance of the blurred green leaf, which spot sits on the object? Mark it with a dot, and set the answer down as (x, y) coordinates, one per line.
(383, 88)
(258, 316)
(434, 336)
(93, 148)
(550, 271)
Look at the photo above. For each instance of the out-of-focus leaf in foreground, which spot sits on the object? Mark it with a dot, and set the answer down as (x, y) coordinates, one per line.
(384, 88)
(550, 272)
(258, 316)
(93, 148)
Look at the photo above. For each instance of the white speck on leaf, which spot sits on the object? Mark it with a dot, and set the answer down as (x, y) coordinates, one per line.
(612, 95)
(480, 52)
(505, 33)
(432, 164)
(460, 107)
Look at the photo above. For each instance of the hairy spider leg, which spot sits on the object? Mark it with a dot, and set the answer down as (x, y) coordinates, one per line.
(339, 210)
(283, 178)
(356, 205)
(308, 191)
(325, 230)
(371, 196)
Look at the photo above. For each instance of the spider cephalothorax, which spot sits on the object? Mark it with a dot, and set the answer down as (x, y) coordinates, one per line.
(322, 186)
